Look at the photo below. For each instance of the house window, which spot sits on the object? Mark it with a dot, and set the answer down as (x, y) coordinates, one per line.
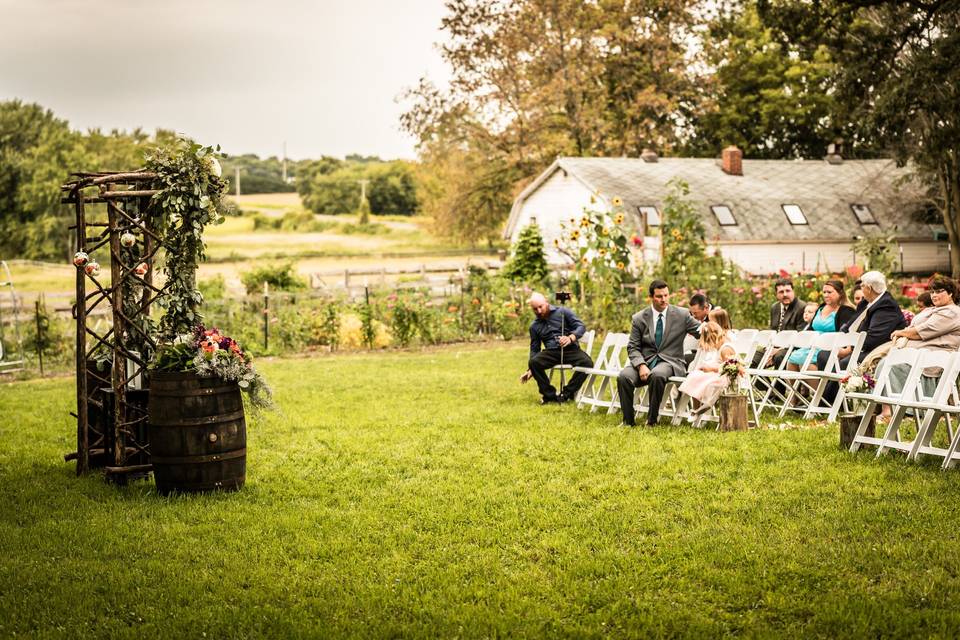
(650, 215)
(794, 214)
(863, 213)
(724, 215)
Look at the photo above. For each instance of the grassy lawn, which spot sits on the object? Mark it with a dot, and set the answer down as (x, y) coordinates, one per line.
(427, 494)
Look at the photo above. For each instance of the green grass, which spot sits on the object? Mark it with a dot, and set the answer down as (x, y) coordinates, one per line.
(427, 494)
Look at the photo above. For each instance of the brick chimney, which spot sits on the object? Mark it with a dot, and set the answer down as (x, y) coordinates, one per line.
(732, 161)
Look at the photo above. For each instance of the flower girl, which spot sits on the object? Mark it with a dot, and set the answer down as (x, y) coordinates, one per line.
(705, 383)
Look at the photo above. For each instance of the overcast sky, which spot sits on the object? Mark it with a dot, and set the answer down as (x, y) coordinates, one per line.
(322, 75)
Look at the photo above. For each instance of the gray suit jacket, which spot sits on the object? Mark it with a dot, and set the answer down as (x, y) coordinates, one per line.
(643, 347)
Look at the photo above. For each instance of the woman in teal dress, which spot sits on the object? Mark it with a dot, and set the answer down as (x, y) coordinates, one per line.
(832, 314)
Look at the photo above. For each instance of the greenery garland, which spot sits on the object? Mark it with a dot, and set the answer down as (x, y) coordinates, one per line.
(190, 197)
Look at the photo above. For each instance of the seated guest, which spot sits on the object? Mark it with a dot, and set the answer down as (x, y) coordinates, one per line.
(937, 327)
(809, 313)
(700, 307)
(856, 294)
(705, 383)
(655, 351)
(557, 347)
(924, 301)
(721, 317)
(878, 315)
(829, 317)
(785, 314)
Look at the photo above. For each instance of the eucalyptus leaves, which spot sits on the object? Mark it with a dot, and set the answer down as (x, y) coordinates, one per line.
(189, 198)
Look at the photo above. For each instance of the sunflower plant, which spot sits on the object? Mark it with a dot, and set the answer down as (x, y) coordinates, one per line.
(597, 244)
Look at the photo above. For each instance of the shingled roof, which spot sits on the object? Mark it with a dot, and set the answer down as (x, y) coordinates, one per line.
(824, 192)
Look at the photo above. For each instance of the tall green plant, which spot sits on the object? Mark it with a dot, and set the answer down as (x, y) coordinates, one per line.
(597, 245)
(189, 198)
(682, 234)
(527, 263)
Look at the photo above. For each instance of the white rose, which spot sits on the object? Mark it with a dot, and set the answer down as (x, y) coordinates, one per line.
(855, 382)
(215, 168)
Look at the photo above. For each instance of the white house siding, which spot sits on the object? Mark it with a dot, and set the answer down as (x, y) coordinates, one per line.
(558, 199)
(762, 258)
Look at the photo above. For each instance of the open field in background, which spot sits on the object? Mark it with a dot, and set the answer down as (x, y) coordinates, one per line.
(448, 503)
(235, 247)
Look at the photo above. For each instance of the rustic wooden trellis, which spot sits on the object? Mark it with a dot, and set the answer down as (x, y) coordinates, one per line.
(112, 400)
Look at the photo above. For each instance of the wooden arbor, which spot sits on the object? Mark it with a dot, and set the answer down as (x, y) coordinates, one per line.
(112, 357)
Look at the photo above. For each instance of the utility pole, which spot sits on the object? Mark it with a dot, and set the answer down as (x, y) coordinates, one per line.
(284, 161)
(237, 179)
(363, 189)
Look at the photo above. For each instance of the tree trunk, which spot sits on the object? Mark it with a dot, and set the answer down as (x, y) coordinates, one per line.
(733, 412)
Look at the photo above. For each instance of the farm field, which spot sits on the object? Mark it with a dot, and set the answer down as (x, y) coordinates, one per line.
(235, 246)
(427, 494)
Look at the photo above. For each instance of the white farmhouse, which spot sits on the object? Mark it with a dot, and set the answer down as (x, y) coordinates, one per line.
(766, 215)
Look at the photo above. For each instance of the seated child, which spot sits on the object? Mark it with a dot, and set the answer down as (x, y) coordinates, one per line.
(705, 383)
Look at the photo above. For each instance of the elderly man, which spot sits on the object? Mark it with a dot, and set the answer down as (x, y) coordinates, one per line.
(655, 351)
(559, 330)
(878, 314)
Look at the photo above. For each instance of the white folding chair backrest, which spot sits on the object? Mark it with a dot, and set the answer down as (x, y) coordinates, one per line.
(783, 339)
(690, 344)
(617, 357)
(947, 362)
(586, 342)
(747, 334)
(896, 357)
(605, 347)
(766, 335)
(854, 341)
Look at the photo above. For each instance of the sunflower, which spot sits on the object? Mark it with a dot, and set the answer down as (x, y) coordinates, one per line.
(617, 202)
(556, 242)
(584, 261)
(604, 231)
(601, 252)
(575, 235)
(620, 266)
(619, 218)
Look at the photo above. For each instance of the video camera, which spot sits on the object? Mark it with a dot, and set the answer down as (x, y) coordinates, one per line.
(562, 296)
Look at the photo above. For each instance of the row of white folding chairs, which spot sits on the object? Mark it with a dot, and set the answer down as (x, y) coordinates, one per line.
(782, 389)
(928, 408)
(599, 390)
(586, 344)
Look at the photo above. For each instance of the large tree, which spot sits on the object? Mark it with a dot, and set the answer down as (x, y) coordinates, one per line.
(533, 79)
(898, 78)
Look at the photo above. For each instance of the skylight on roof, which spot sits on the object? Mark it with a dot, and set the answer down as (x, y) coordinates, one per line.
(794, 214)
(724, 215)
(651, 215)
(863, 213)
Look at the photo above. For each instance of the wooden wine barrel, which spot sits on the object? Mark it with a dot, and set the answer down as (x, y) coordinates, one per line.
(198, 436)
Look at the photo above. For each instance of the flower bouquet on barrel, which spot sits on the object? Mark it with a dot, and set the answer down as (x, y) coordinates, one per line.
(735, 373)
(211, 354)
(198, 436)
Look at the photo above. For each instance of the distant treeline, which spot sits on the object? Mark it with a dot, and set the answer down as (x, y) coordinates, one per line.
(39, 150)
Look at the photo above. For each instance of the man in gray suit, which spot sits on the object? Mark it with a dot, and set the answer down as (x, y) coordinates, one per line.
(655, 351)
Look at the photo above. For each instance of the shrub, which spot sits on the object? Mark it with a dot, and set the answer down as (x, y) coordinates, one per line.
(213, 288)
(527, 262)
(280, 277)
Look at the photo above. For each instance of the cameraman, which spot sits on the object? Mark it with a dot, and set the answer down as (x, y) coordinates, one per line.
(559, 330)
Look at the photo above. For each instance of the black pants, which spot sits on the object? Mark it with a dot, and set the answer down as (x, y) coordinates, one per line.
(629, 380)
(548, 358)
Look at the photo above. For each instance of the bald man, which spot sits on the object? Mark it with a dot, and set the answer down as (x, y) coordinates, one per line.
(558, 329)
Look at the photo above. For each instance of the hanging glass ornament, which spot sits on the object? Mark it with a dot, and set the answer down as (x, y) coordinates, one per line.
(128, 239)
(80, 258)
(92, 269)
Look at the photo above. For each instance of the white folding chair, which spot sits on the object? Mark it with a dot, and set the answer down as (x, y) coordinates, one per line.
(744, 334)
(745, 347)
(928, 409)
(832, 372)
(884, 394)
(599, 390)
(772, 383)
(586, 344)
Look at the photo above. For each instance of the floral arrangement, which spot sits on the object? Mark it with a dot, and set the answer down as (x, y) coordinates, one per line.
(210, 353)
(859, 381)
(733, 370)
(908, 316)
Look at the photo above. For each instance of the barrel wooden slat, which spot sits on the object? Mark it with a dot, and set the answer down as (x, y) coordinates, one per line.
(198, 434)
